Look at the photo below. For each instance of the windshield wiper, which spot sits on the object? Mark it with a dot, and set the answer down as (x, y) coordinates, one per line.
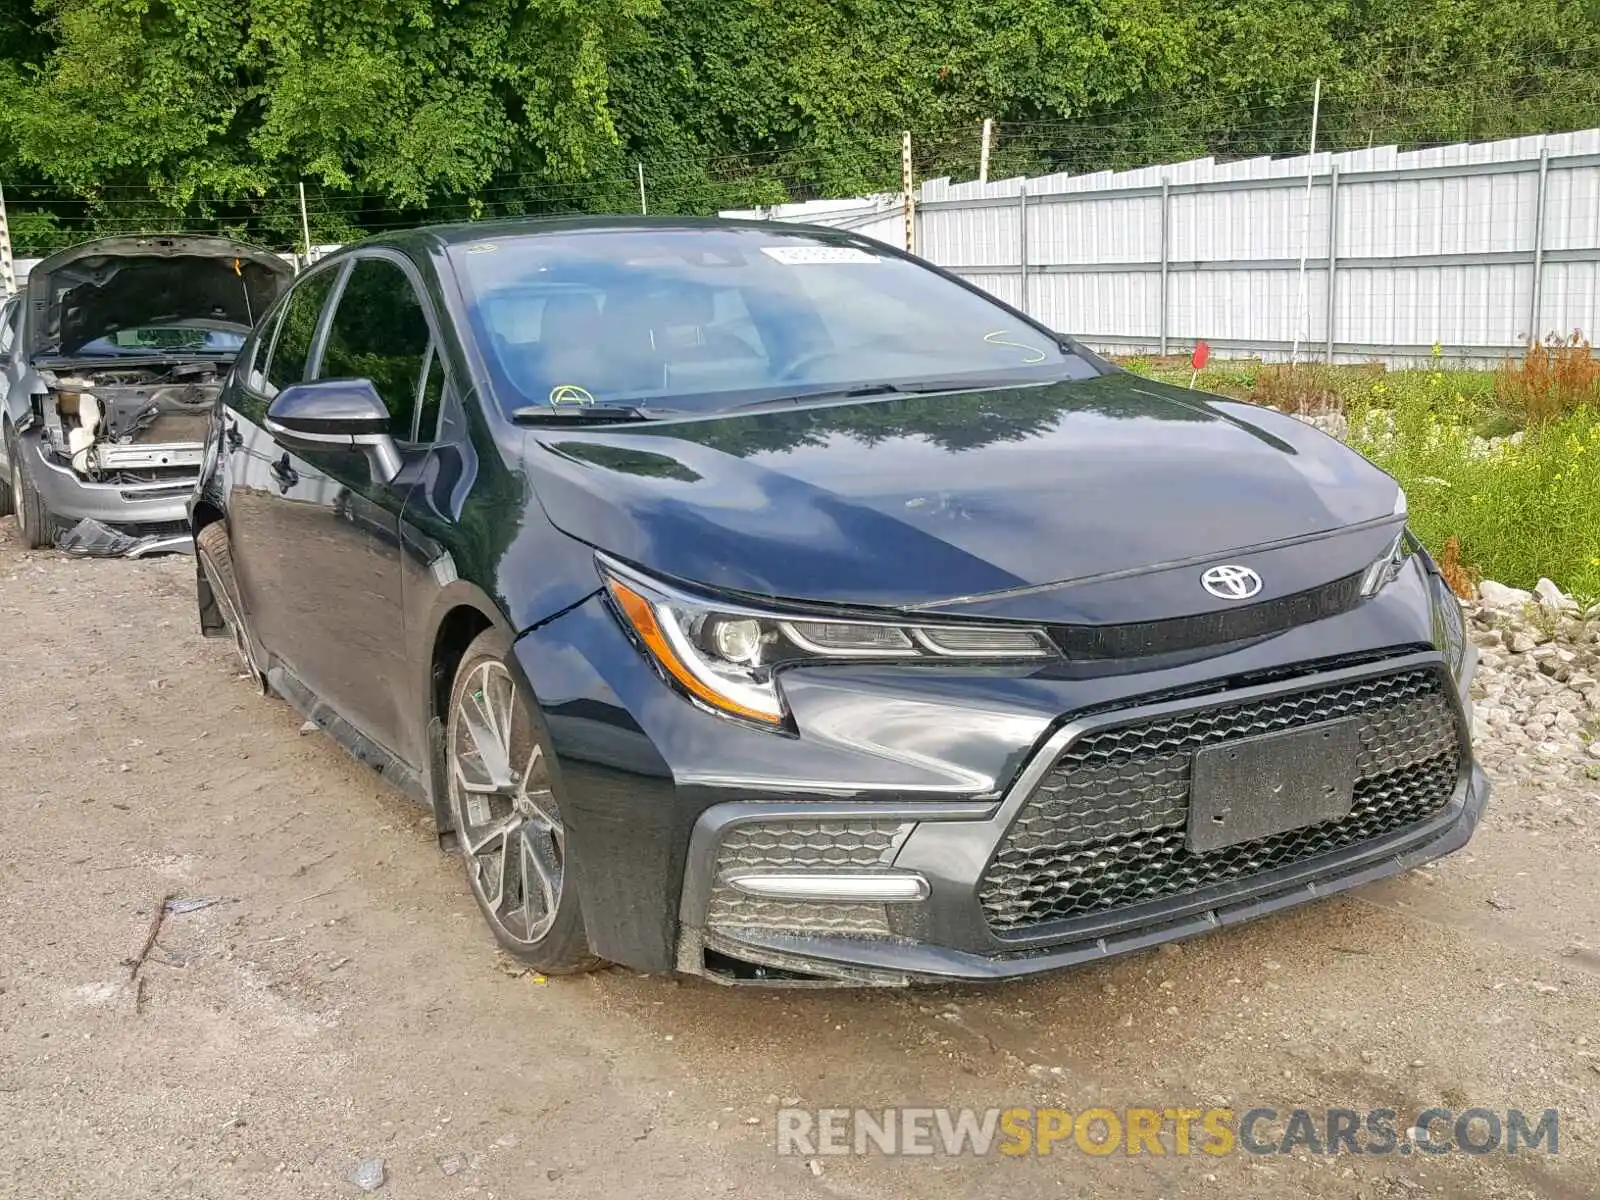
(584, 414)
(909, 388)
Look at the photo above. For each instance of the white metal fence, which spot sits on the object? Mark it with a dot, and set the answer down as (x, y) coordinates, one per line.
(1474, 248)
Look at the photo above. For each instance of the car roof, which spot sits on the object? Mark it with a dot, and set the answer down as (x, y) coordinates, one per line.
(479, 231)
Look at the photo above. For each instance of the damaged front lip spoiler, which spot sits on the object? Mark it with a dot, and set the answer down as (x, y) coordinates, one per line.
(180, 543)
(90, 538)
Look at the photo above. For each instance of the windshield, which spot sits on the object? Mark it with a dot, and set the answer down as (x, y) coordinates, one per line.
(164, 339)
(710, 318)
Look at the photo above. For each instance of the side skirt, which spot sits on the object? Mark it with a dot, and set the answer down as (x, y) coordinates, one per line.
(363, 749)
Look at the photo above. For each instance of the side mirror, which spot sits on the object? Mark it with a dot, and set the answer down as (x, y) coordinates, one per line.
(336, 414)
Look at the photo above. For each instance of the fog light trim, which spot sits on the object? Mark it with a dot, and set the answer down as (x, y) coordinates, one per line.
(833, 887)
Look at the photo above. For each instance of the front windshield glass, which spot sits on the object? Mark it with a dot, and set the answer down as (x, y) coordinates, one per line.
(709, 318)
(164, 339)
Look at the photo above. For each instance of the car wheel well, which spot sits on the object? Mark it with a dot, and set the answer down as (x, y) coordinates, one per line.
(456, 632)
(211, 619)
(205, 513)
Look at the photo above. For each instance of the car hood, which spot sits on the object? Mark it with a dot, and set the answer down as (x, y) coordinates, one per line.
(1037, 503)
(95, 289)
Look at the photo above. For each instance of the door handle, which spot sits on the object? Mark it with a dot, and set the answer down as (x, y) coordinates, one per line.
(234, 438)
(283, 471)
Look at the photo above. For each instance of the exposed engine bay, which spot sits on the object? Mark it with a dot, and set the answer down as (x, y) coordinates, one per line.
(129, 425)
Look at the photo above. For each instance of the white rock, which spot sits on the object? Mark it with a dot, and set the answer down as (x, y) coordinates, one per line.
(1521, 642)
(1334, 424)
(1552, 597)
(1498, 595)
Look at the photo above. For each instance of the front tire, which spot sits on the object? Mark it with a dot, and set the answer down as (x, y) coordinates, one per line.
(36, 522)
(508, 823)
(215, 554)
(7, 504)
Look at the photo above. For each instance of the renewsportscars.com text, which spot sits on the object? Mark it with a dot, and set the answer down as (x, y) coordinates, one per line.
(1163, 1131)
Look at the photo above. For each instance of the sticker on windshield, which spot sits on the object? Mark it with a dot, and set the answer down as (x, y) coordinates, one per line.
(569, 393)
(998, 338)
(807, 256)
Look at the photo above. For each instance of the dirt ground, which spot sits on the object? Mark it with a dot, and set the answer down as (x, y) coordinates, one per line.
(341, 1001)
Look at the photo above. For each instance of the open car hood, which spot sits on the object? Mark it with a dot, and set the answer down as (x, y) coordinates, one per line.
(90, 291)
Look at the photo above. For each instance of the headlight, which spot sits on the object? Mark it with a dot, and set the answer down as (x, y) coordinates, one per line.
(727, 656)
(1387, 566)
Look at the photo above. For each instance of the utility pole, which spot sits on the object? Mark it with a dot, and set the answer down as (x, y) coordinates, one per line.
(305, 222)
(644, 209)
(983, 156)
(8, 274)
(1301, 314)
(906, 192)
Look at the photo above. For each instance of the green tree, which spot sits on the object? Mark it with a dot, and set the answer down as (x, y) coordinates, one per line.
(122, 115)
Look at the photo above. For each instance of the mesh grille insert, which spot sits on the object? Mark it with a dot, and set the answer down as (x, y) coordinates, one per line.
(1105, 826)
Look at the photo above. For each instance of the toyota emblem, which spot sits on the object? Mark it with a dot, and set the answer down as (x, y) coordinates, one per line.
(1231, 582)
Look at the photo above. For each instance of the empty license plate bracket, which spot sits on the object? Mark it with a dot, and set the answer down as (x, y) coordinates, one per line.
(1253, 787)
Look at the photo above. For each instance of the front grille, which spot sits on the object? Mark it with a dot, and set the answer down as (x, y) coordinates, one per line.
(766, 846)
(1105, 827)
(1173, 634)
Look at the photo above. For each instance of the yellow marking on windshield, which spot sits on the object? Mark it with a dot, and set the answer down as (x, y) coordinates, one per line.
(569, 393)
(998, 338)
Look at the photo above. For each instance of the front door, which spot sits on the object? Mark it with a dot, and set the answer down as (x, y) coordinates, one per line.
(353, 649)
(267, 494)
(316, 536)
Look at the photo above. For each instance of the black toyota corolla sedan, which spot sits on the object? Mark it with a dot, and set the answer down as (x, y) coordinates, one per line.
(761, 602)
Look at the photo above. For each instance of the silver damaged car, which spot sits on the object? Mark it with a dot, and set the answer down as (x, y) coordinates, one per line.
(114, 355)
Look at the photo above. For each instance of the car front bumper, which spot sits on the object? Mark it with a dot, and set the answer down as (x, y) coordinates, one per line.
(919, 781)
(152, 507)
(942, 943)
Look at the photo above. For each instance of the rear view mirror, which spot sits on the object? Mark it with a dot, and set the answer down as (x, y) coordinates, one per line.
(336, 414)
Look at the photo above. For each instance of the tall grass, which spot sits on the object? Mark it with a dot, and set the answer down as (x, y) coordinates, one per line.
(1489, 505)
(1554, 378)
(1518, 508)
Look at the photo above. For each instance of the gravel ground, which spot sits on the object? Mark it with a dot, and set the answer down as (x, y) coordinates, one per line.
(341, 1002)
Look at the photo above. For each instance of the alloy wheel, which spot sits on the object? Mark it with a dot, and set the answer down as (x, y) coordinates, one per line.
(507, 821)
